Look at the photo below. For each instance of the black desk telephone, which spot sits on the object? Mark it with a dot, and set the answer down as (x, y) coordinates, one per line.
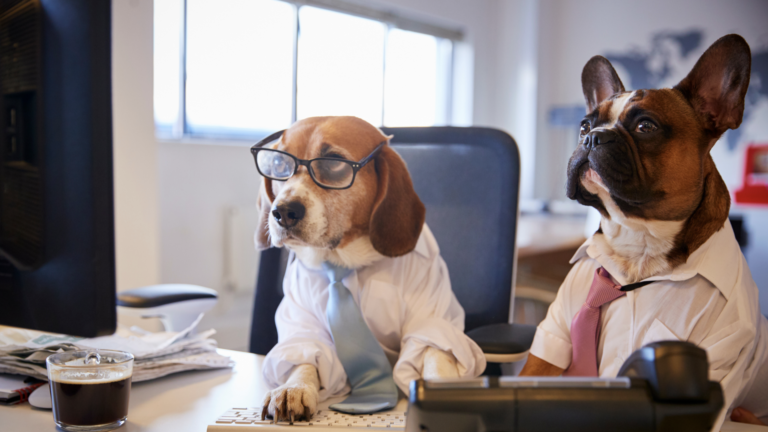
(663, 386)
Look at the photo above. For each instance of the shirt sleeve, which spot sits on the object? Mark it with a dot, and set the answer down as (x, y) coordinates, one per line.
(303, 338)
(433, 318)
(754, 397)
(730, 349)
(552, 342)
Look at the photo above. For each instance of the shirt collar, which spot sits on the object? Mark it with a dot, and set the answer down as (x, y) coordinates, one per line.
(422, 248)
(717, 260)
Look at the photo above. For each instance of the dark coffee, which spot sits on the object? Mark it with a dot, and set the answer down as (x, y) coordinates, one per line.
(87, 403)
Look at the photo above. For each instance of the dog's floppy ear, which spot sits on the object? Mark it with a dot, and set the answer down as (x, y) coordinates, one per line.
(398, 213)
(263, 207)
(599, 81)
(718, 83)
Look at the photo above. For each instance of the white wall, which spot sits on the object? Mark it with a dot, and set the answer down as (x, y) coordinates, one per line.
(199, 184)
(135, 149)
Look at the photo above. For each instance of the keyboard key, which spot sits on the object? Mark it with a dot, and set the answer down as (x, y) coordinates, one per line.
(321, 421)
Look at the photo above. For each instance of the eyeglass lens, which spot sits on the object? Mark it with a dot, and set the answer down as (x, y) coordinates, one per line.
(331, 173)
(275, 165)
(326, 172)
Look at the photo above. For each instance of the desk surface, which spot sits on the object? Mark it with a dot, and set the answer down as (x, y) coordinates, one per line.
(540, 233)
(190, 401)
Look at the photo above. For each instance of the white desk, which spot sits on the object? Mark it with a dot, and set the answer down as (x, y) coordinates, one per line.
(190, 401)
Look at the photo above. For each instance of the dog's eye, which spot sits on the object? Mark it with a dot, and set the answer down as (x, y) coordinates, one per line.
(645, 126)
(584, 129)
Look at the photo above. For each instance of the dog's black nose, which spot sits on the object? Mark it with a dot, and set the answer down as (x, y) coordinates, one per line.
(600, 137)
(289, 214)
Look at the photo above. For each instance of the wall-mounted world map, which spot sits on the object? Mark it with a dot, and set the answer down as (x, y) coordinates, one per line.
(660, 65)
(663, 63)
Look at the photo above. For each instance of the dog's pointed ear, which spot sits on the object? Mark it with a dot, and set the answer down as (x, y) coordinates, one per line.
(263, 207)
(398, 213)
(599, 81)
(717, 84)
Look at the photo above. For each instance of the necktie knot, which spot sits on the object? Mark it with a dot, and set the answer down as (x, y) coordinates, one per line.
(335, 273)
(603, 289)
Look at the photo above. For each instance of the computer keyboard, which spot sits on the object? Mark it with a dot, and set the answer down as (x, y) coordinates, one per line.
(249, 419)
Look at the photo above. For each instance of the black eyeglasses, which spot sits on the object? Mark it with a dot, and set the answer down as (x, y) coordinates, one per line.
(326, 172)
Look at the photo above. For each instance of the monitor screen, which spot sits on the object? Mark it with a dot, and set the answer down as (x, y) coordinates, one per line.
(57, 242)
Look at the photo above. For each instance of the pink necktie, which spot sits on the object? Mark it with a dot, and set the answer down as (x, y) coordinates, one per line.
(585, 328)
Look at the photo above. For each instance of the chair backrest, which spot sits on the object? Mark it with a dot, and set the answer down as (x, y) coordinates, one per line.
(468, 180)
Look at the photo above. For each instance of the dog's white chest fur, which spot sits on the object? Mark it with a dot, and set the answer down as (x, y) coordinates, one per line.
(357, 254)
(638, 246)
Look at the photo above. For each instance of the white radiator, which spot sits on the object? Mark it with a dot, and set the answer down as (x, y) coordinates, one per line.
(241, 260)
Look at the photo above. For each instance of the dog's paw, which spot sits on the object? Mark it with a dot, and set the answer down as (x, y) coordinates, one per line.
(291, 402)
(439, 364)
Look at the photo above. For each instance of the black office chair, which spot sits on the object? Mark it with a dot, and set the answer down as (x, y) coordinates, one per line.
(468, 179)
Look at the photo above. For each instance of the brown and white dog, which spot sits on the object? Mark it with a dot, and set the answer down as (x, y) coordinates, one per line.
(380, 217)
(643, 161)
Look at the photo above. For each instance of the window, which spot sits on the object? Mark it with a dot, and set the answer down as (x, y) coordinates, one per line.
(416, 79)
(341, 65)
(246, 68)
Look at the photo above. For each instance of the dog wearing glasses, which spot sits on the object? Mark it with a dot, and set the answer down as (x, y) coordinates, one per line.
(334, 191)
(644, 162)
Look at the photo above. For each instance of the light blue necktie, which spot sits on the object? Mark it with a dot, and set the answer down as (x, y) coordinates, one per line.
(364, 361)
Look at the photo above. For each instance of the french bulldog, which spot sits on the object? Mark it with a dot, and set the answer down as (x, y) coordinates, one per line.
(643, 161)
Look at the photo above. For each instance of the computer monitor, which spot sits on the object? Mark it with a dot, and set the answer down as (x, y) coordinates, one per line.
(57, 242)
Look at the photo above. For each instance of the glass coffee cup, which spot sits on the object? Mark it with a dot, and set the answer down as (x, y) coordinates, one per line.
(90, 389)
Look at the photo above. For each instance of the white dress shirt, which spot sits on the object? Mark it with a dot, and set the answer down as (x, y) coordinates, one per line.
(407, 303)
(711, 301)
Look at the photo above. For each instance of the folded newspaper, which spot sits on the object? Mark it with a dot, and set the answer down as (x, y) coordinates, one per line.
(156, 354)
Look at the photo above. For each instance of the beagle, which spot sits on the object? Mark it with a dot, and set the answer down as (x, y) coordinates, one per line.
(360, 213)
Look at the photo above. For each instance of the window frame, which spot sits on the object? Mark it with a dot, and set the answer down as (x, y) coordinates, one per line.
(181, 131)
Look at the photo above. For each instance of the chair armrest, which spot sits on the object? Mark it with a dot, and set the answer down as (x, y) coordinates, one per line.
(504, 343)
(160, 295)
(177, 305)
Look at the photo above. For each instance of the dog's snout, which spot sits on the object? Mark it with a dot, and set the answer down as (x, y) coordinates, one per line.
(288, 214)
(599, 137)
